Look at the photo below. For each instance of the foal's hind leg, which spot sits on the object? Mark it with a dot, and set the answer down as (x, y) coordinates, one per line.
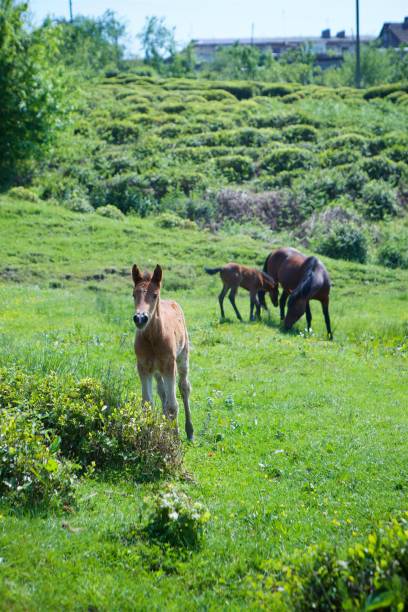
(185, 389)
(231, 296)
(325, 308)
(308, 316)
(221, 300)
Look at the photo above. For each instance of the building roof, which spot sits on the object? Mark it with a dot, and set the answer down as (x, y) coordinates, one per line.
(400, 30)
(214, 42)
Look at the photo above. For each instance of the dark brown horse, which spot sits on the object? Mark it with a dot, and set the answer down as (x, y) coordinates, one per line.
(302, 279)
(235, 275)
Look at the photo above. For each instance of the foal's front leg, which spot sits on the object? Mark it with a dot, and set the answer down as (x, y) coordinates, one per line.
(146, 379)
(170, 404)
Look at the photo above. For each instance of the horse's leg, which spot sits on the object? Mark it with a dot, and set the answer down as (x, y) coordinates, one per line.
(185, 388)
(254, 304)
(231, 296)
(308, 316)
(160, 389)
(325, 308)
(147, 385)
(282, 303)
(221, 300)
(171, 404)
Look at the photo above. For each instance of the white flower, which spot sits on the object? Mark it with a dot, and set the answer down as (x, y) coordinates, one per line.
(173, 515)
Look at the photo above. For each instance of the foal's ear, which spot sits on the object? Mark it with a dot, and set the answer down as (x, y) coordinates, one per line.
(137, 277)
(157, 275)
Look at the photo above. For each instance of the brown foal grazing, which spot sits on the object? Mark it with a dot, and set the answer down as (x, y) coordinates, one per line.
(234, 275)
(302, 279)
(161, 345)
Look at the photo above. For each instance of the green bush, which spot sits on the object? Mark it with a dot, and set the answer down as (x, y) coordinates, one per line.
(286, 158)
(341, 240)
(175, 519)
(78, 202)
(372, 575)
(393, 255)
(299, 133)
(119, 131)
(32, 472)
(110, 211)
(278, 89)
(381, 168)
(22, 193)
(235, 168)
(89, 430)
(379, 200)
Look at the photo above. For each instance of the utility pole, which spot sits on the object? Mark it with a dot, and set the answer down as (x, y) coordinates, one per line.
(358, 59)
(252, 34)
(71, 17)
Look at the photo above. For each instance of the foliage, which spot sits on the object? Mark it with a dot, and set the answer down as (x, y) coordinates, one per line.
(157, 41)
(379, 200)
(31, 90)
(110, 211)
(236, 168)
(89, 45)
(286, 158)
(336, 233)
(175, 519)
(23, 193)
(90, 432)
(372, 575)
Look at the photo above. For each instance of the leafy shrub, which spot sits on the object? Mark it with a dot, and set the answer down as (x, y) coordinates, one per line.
(354, 179)
(32, 472)
(278, 89)
(337, 234)
(235, 168)
(398, 153)
(286, 158)
(317, 188)
(242, 90)
(339, 157)
(128, 190)
(299, 133)
(392, 255)
(349, 141)
(381, 91)
(379, 200)
(372, 575)
(110, 211)
(22, 193)
(91, 432)
(170, 221)
(380, 168)
(175, 519)
(119, 131)
(78, 202)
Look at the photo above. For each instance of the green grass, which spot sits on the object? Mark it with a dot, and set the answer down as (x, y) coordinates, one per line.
(299, 440)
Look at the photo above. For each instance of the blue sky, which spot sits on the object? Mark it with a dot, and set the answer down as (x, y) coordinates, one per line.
(222, 18)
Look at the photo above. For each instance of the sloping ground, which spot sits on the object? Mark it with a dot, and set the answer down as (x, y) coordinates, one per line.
(300, 441)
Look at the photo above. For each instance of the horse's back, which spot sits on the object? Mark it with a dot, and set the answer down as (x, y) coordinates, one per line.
(287, 266)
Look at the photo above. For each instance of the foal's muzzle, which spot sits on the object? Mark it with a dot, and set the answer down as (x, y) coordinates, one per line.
(140, 319)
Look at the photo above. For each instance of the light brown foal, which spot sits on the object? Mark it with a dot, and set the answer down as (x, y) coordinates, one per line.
(234, 275)
(161, 345)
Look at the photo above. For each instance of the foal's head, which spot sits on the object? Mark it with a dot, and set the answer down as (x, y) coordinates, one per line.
(146, 294)
(271, 286)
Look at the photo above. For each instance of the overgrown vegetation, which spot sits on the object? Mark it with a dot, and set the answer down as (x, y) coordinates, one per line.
(52, 427)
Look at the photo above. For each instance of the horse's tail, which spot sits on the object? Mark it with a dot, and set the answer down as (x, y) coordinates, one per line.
(305, 286)
(212, 271)
(261, 292)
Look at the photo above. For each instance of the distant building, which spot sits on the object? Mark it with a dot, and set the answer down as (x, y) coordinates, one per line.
(394, 34)
(329, 50)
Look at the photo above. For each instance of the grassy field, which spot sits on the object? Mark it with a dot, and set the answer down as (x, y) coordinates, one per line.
(299, 441)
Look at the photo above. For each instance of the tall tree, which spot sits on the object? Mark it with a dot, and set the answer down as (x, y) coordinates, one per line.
(31, 92)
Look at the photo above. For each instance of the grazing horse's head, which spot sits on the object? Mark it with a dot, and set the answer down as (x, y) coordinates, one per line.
(296, 308)
(146, 294)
